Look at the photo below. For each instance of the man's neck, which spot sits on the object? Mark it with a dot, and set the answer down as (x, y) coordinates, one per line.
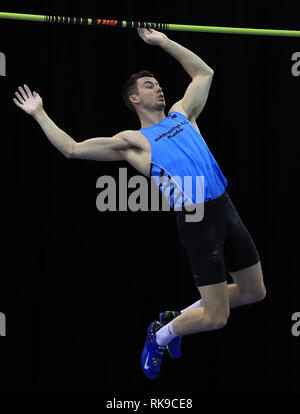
(149, 119)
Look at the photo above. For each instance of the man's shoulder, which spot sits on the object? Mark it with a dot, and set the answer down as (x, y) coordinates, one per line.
(129, 134)
(178, 108)
(134, 138)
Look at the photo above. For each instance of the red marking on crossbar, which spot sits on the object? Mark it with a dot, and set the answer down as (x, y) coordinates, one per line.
(107, 22)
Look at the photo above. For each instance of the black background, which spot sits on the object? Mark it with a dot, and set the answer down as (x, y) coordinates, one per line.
(79, 287)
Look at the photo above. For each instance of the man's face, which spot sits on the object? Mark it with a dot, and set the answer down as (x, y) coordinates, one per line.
(150, 94)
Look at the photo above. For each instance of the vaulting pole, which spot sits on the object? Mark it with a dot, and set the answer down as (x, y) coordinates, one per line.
(157, 26)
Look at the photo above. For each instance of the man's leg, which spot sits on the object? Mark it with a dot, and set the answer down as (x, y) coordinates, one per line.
(248, 288)
(212, 314)
(235, 298)
(216, 299)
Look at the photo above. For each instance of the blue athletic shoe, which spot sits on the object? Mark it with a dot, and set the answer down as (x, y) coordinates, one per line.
(173, 347)
(152, 353)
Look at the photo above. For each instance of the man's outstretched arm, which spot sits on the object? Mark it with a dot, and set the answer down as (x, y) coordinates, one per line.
(99, 149)
(192, 64)
(197, 92)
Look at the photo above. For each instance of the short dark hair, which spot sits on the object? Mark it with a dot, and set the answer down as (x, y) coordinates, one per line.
(130, 87)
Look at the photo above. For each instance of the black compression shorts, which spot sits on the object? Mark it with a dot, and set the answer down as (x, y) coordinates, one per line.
(217, 244)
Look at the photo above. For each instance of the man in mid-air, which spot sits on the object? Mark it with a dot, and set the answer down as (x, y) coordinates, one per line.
(168, 149)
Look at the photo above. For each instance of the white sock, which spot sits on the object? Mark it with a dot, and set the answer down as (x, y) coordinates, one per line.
(165, 334)
(194, 305)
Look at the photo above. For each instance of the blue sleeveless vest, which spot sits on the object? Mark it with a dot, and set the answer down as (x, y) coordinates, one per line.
(181, 163)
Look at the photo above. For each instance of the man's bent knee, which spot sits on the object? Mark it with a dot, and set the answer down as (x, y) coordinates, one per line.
(215, 305)
(250, 283)
(217, 323)
(216, 320)
(261, 294)
(256, 296)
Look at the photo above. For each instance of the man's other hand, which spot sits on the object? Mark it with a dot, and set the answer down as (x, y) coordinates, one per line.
(31, 103)
(152, 37)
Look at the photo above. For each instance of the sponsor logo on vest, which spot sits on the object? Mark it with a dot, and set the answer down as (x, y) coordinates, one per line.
(172, 132)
